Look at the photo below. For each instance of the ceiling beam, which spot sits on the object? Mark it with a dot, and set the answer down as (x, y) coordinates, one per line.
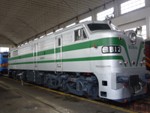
(61, 23)
(10, 40)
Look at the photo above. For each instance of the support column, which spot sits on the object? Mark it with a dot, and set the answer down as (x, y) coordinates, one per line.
(148, 27)
(77, 20)
(116, 8)
(94, 18)
(147, 3)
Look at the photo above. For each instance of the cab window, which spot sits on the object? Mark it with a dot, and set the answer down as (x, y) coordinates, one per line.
(79, 34)
(97, 26)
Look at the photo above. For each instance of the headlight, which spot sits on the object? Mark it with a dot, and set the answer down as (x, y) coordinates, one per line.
(111, 49)
(132, 36)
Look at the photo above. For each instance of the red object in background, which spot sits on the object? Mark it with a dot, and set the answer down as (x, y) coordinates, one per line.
(147, 54)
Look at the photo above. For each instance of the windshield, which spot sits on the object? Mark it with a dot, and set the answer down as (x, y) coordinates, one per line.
(97, 26)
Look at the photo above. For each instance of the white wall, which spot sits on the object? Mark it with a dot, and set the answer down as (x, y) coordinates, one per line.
(132, 19)
(129, 20)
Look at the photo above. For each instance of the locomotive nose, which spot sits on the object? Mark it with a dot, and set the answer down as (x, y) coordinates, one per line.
(134, 44)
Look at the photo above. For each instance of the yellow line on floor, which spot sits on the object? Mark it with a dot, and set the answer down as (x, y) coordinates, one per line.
(80, 98)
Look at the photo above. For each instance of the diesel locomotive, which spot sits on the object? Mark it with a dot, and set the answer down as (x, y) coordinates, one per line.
(91, 59)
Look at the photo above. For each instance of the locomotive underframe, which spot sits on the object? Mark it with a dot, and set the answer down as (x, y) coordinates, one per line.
(82, 84)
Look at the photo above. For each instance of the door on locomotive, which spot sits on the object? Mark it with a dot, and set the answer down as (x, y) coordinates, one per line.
(35, 55)
(58, 52)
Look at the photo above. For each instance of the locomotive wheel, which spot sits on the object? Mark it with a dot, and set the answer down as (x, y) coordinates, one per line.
(53, 82)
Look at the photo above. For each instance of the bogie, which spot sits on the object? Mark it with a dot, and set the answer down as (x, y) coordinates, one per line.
(78, 84)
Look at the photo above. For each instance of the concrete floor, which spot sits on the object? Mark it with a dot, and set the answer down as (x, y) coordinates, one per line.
(15, 98)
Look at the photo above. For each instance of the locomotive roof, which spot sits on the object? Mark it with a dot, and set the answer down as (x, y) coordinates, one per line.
(63, 30)
(80, 24)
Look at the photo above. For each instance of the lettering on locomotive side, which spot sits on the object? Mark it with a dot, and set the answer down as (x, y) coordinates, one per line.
(42, 57)
(103, 66)
(111, 49)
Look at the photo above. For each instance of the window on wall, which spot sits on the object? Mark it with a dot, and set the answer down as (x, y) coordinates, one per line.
(70, 25)
(143, 33)
(102, 15)
(59, 29)
(86, 19)
(131, 5)
(4, 49)
(49, 33)
(41, 36)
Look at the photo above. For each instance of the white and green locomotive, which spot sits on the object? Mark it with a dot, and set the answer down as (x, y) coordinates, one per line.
(88, 59)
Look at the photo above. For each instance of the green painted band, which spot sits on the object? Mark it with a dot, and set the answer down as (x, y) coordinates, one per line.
(83, 45)
(78, 46)
(75, 60)
(139, 52)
